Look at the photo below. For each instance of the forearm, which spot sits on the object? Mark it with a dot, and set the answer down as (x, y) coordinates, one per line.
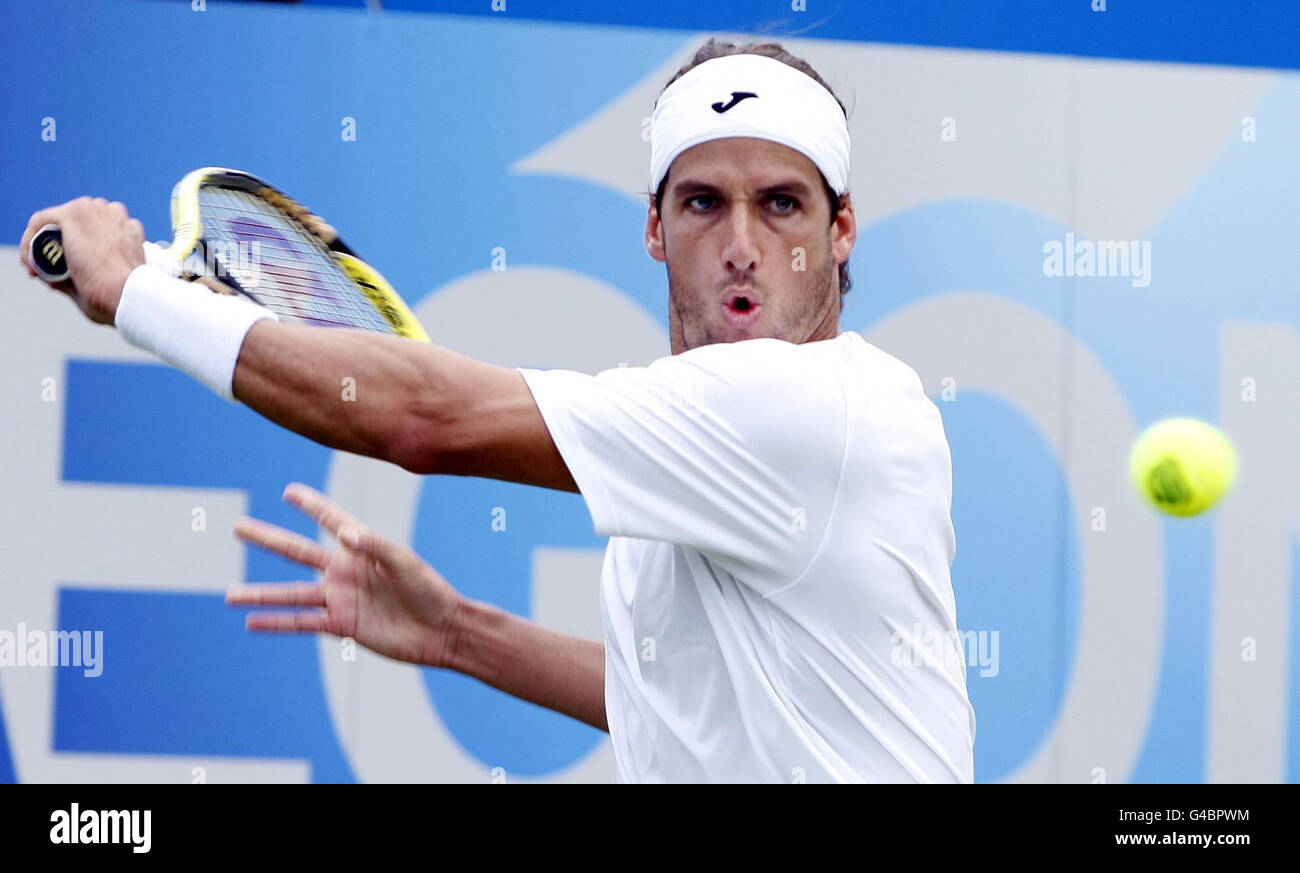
(418, 405)
(523, 659)
(353, 390)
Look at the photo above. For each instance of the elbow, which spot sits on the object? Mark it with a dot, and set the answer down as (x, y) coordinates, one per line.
(417, 442)
(421, 463)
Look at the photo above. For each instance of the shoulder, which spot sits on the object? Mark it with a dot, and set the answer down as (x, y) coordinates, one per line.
(764, 363)
(896, 423)
(780, 384)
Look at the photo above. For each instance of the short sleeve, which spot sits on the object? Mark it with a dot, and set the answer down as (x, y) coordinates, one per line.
(735, 449)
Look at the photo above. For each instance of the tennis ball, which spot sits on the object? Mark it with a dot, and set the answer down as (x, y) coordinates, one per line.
(1182, 466)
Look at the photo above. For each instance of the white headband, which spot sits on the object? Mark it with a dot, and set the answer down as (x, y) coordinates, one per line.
(753, 96)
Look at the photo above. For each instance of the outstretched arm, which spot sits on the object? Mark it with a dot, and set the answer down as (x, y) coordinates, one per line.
(423, 407)
(418, 405)
(549, 668)
(392, 602)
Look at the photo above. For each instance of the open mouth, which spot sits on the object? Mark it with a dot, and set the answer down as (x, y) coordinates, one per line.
(741, 308)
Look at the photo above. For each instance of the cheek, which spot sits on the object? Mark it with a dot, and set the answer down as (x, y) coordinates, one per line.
(804, 254)
(687, 259)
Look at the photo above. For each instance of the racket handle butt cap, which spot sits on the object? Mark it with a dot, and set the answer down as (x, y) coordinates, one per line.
(46, 254)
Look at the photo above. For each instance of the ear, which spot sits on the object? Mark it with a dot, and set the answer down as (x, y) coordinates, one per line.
(844, 232)
(654, 234)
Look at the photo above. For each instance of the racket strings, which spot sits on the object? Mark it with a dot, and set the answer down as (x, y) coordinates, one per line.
(279, 262)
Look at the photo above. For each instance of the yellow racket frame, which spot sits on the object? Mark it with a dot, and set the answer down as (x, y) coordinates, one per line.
(187, 231)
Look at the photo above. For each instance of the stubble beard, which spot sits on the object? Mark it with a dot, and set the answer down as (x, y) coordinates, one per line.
(792, 319)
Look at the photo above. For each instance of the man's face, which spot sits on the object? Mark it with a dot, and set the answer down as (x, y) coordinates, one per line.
(745, 229)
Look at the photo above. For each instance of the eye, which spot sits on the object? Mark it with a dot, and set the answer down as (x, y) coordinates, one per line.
(701, 202)
(783, 203)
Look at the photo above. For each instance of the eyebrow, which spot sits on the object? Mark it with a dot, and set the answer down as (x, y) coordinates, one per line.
(786, 186)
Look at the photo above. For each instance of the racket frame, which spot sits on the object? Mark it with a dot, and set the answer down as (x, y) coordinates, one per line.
(189, 246)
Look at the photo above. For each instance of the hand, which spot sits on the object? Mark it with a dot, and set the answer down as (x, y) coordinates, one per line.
(376, 592)
(101, 244)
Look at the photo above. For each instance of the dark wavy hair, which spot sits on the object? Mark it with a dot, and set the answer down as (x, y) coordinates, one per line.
(716, 48)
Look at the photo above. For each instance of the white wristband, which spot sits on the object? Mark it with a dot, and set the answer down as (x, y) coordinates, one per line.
(187, 325)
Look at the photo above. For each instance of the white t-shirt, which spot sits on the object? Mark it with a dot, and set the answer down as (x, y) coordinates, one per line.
(775, 594)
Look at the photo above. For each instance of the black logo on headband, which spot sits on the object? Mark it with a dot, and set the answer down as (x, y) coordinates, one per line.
(736, 97)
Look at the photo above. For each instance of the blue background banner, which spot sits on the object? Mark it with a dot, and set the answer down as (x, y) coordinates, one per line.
(518, 131)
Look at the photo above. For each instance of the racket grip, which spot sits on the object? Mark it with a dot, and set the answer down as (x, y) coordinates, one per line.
(46, 254)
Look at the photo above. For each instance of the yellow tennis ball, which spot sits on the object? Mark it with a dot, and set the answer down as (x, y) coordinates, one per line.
(1182, 466)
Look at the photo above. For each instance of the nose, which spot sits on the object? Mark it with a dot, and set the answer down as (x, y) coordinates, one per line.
(741, 250)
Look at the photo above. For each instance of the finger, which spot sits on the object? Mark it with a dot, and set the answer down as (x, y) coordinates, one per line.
(313, 621)
(50, 215)
(62, 215)
(276, 594)
(371, 544)
(327, 513)
(283, 542)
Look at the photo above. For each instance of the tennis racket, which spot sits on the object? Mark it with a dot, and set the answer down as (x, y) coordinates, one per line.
(236, 234)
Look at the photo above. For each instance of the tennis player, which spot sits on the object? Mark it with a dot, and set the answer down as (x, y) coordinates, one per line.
(775, 595)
